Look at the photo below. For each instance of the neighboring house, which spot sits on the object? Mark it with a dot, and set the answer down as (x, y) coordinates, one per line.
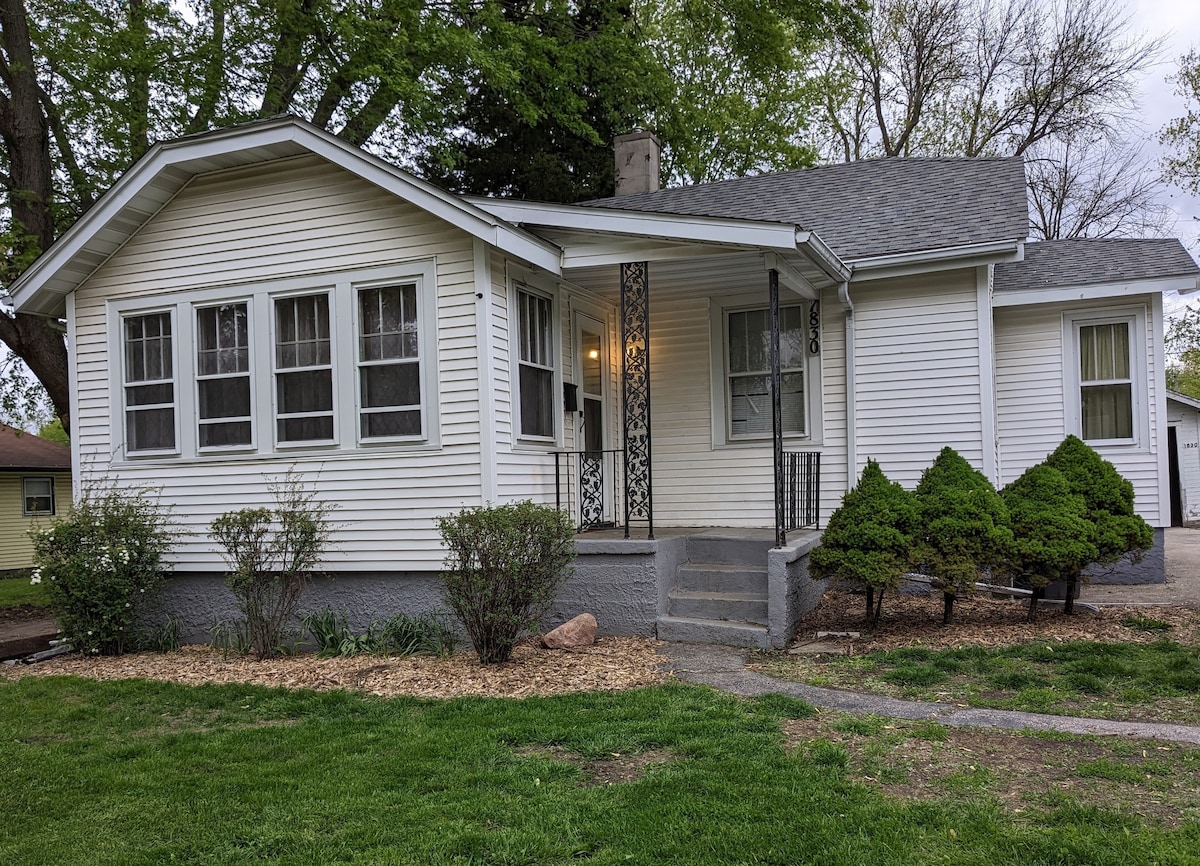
(35, 481)
(267, 296)
(1183, 458)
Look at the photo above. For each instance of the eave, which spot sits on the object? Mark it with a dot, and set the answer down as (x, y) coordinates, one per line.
(168, 166)
(1095, 291)
(942, 259)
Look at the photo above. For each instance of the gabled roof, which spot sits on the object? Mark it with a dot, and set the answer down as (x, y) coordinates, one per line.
(871, 208)
(21, 451)
(1061, 264)
(1184, 399)
(168, 166)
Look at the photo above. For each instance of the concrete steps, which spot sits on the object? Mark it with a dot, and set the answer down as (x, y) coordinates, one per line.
(719, 593)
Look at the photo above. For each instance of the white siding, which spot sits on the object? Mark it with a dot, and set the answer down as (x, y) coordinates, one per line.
(287, 219)
(1031, 401)
(917, 380)
(1186, 422)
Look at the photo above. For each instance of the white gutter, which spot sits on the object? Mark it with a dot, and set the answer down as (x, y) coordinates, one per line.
(851, 398)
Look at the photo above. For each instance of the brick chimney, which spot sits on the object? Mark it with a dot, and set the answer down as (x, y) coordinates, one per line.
(638, 154)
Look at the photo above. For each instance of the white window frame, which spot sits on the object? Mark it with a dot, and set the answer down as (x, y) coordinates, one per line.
(260, 298)
(123, 382)
(196, 309)
(335, 360)
(719, 311)
(532, 287)
(25, 496)
(423, 352)
(1135, 319)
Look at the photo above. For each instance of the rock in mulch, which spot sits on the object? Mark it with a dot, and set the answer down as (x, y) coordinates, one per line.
(572, 634)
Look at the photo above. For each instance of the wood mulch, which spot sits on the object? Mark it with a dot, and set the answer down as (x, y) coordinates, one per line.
(613, 663)
(981, 620)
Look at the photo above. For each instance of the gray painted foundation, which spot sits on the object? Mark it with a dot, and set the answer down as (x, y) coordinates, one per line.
(791, 593)
(1151, 569)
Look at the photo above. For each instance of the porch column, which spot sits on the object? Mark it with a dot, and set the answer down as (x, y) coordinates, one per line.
(776, 406)
(635, 392)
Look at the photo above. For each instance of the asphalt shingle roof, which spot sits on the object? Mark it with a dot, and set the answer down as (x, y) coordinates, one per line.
(19, 450)
(868, 208)
(1087, 261)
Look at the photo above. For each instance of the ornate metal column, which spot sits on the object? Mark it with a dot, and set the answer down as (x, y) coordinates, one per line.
(776, 407)
(635, 389)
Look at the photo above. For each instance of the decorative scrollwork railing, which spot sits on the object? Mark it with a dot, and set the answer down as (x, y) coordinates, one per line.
(589, 485)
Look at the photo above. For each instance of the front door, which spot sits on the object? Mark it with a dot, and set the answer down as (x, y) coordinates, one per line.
(595, 466)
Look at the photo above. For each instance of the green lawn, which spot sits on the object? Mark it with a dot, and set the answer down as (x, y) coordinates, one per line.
(134, 772)
(18, 590)
(1158, 680)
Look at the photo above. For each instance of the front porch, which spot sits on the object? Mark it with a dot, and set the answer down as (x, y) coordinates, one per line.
(697, 584)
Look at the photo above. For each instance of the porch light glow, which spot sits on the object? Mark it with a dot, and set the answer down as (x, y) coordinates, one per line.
(594, 354)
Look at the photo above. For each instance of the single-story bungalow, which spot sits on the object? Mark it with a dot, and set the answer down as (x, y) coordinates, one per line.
(35, 482)
(697, 374)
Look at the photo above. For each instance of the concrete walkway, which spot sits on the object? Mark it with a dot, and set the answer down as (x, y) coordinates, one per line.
(724, 668)
(1182, 551)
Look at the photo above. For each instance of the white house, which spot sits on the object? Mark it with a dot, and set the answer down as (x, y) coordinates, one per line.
(267, 296)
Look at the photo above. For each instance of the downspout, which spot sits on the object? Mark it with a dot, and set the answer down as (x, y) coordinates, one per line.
(851, 420)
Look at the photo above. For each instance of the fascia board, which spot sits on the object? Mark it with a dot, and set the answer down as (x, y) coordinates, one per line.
(946, 258)
(675, 227)
(1001, 298)
(1176, 397)
(36, 291)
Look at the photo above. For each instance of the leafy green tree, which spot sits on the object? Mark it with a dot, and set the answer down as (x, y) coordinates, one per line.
(1183, 352)
(869, 538)
(963, 526)
(1052, 535)
(1119, 530)
(1182, 134)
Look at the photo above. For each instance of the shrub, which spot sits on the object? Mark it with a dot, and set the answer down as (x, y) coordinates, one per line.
(1052, 536)
(503, 566)
(102, 564)
(1119, 531)
(963, 526)
(271, 553)
(869, 537)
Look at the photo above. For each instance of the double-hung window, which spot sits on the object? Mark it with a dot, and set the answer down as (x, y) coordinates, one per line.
(535, 365)
(223, 376)
(303, 370)
(389, 362)
(38, 496)
(148, 382)
(748, 372)
(1106, 384)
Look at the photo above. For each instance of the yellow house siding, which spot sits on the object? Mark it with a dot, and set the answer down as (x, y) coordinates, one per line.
(16, 549)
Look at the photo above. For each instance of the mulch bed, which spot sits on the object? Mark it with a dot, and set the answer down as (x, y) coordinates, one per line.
(981, 620)
(613, 663)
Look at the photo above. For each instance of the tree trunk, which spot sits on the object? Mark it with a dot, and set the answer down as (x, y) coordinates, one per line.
(1033, 603)
(870, 603)
(1072, 591)
(878, 608)
(947, 608)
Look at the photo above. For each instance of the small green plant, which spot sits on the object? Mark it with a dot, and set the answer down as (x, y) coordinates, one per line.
(327, 630)
(404, 635)
(869, 538)
(1139, 622)
(101, 564)
(1119, 531)
(163, 638)
(1052, 536)
(963, 526)
(271, 553)
(230, 637)
(503, 566)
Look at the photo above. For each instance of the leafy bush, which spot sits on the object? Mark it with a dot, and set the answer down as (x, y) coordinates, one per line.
(1119, 530)
(271, 554)
(963, 526)
(1052, 536)
(869, 537)
(504, 564)
(102, 563)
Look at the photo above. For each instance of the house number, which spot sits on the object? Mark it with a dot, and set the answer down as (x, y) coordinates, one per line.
(814, 328)
(1189, 444)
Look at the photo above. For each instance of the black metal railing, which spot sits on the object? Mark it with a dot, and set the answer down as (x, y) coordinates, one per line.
(799, 491)
(590, 485)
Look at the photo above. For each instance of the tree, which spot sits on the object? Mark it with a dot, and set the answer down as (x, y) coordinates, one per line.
(974, 78)
(869, 538)
(963, 526)
(1119, 530)
(1182, 134)
(1183, 352)
(1052, 536)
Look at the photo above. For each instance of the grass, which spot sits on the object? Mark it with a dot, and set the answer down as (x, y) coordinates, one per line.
(1108, 680)
(135, 772)
(17, 590)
